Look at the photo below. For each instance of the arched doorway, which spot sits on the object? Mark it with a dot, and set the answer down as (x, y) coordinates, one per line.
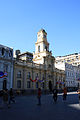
(50, 86)
(4, 84)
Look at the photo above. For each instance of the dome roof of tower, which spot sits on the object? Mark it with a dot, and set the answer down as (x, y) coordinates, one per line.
(42, 30)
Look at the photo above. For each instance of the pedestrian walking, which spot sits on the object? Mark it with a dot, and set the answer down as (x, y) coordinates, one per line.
(79, 95)
(1, 96)
(64, 93)
(11, 96)
(39, 96)
(55, 92)
(5, 98)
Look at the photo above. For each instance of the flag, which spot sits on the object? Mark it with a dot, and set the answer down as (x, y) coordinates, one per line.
(3, 74)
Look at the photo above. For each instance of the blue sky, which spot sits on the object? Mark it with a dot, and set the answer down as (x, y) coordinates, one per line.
(20, 20)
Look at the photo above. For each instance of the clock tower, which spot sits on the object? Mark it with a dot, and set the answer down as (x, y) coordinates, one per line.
(41, 47)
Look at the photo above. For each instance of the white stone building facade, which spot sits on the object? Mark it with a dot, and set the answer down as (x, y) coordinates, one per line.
(73, 59)
(71, 73)
(6, 67)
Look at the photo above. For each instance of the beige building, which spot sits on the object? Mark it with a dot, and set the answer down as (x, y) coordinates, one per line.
(30, 75)
(27, 56)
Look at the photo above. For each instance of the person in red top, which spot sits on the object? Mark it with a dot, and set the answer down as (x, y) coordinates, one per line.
(39, 96)
(64, 93)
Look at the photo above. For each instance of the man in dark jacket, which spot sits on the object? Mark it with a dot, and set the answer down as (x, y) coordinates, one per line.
(11, 95)
(55, 92)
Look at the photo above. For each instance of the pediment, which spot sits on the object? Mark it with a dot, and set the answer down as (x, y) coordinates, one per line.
(38, 57)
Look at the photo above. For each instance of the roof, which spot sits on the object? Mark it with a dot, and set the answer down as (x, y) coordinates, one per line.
(68, 55)
(29, 53)
(2, 46)
(42, 30)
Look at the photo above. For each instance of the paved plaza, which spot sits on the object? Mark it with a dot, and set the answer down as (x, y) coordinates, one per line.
(26, 108)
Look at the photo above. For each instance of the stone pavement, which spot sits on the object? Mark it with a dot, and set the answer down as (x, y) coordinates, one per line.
(26, 108)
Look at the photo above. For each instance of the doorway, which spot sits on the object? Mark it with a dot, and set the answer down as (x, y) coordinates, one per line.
(4, 84)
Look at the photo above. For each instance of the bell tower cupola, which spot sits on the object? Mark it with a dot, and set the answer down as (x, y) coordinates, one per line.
(41, 44)
(41, 47)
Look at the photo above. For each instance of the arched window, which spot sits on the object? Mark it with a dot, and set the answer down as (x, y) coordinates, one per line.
(29, 75)
(19, 74)
(10, 53)
(39, 48)
(2, 51)
(28, 84)
(43, 85)
(18, 83)
(36, 84)
(44, 36)
(46, 48)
